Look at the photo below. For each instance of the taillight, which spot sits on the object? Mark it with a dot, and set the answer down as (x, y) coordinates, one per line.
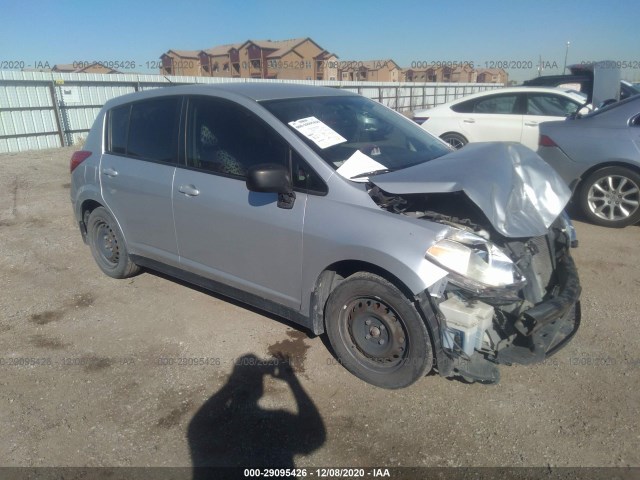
(420, 120)
(545, 141)
(77, 158)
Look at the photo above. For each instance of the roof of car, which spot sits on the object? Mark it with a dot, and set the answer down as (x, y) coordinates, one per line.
(565, 91)
(519, 90)
(257, 91)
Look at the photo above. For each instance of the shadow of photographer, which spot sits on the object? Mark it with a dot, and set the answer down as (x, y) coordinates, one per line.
(232, 430)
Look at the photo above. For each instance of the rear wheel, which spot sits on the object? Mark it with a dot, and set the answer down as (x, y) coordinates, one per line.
(107, 245)
(377, 333)
(456, 140)
(610, 197)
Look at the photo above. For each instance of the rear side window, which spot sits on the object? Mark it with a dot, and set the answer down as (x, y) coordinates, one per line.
(146, 129)
(499, 104)
(464, 107)
(118, 127)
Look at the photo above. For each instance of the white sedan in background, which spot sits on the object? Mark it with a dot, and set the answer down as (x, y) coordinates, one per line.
(503, 115)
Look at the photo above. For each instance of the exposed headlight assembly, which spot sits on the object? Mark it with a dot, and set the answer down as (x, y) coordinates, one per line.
(477, 265)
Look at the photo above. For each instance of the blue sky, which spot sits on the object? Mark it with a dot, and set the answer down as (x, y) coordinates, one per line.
(481, 31)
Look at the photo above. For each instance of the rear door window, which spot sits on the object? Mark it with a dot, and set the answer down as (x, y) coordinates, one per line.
(497, 104)
(153, 129)
(146, 129)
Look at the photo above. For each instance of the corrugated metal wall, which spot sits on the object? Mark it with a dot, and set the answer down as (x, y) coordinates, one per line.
(46, 110)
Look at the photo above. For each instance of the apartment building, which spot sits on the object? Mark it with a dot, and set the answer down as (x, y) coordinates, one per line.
(458, 74)
(296, 59)
(83, 67)
(492, 75)
(369, 70)
(181, 62)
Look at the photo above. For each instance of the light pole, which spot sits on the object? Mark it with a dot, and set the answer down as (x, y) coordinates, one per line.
(566, 52)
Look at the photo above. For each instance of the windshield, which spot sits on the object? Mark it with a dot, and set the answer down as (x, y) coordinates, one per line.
(356, 135)
(612, 106)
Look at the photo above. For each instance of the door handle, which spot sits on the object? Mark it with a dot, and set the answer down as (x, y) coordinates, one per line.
(531, 124)
(189, 190)
(469, 120)
(110, 172)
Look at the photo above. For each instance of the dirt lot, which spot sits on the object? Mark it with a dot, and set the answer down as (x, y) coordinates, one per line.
(150, 372)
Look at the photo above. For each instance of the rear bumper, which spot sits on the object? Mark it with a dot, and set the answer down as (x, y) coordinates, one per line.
(550, 325)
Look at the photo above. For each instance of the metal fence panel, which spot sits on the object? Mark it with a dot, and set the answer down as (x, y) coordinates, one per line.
(46, 110)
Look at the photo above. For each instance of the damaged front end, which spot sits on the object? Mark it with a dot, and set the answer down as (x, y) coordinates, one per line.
(511, 295)
(522, 320)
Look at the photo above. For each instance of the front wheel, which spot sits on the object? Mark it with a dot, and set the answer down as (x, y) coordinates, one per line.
(377, 333)
(107, 245)
(610, 197)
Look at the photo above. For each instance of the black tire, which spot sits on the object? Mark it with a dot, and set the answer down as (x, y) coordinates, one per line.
(610, 197)
(456, 140)
(405, 354)
(107, 245)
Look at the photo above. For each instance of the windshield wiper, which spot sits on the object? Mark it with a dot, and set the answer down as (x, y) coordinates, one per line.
(373, 172)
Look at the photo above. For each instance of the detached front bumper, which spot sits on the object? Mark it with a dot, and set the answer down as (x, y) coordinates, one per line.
(547, 327)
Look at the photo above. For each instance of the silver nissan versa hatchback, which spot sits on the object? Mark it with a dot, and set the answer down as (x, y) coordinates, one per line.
(337, 213)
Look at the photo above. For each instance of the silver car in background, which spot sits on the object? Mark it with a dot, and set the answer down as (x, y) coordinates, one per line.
(341, 215)
(598, 155)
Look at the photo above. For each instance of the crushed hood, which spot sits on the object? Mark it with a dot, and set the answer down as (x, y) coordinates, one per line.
(520, 194)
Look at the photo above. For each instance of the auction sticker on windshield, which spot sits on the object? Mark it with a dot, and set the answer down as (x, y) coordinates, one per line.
(357, 164)
(318, 132)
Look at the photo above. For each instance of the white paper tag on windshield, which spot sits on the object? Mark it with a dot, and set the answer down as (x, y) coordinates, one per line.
(318, 132)
(357, 164)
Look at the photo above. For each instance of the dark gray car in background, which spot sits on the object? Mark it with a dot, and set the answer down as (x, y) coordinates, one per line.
(598, 155)
(339, 214)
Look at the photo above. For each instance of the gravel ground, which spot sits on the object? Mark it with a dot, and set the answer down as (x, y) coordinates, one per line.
(102, 372)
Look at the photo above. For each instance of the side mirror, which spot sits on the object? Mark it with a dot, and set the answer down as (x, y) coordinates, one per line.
(607, 102)
(269, 177)
(272, 178)
(584, 111)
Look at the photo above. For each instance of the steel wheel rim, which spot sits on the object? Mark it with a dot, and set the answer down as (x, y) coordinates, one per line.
(106, 244)
(455, 142)
(613, 197)
(374, 333)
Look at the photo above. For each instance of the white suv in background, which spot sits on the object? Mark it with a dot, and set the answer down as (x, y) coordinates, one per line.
(504, 115)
